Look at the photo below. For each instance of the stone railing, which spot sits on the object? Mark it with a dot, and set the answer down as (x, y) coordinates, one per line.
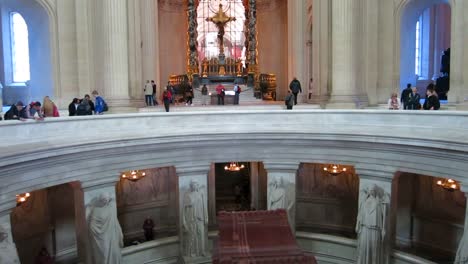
(93, 150)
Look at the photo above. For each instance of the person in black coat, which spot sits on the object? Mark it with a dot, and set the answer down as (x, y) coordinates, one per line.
(90, 102)
(295, 87)
(16, 112)
(405, 96)
(73, 106)
(432, 101)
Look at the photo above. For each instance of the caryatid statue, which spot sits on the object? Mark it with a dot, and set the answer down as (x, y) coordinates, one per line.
(220, 19)
(195, 221)
(370, 226)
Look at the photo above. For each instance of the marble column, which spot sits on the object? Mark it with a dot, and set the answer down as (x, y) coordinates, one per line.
(297, 32)
(112, 49)
(458, 55)
(149, 33)
(84, 198)
(375, 223)
(321, 50)
(462, 252)
(8, 252)
(281, 190)
(346, 91)
(193, 213)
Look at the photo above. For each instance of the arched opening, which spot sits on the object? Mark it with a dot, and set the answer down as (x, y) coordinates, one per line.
(424, 38)
(430, 217)
(26, 63)
(147, 208)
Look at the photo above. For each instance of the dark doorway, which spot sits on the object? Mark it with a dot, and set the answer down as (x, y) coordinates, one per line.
(232, 187)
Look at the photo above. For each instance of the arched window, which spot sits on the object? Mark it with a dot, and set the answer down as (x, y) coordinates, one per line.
(19, 48)
(417, 70)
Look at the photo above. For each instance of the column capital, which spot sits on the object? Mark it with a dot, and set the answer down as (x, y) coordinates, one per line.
(376, 172)
(281, 166)
(193, 169)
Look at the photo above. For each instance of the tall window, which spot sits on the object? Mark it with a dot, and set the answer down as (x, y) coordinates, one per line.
(417, 69)
(19, 48)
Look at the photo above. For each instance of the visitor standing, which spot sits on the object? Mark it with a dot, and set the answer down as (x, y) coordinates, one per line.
(100, 107)
(237, 91)
(84, 108)
(166, 98)
(405, 96)
(414, 100)
(432, 101)
(220, 93)
(34, 111)
(148, 93)
(289, 100)
(311, 87)
(148, 227)
(296, 88)
(155, 100)
(204, 92)
(189, 95)
(90, 102)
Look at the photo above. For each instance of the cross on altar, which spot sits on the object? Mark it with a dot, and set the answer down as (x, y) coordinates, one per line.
(220, 19)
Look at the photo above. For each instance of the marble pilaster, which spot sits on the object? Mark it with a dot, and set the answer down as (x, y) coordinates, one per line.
(112, 46)
(193, 204)
(281, 188)
(462, 252)
(9, 254)
(83, 198)
(346, 91)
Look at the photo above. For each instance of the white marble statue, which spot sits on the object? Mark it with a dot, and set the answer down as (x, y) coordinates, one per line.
(195, 221)
(462, 252)
(278, 198)
(105, 234)
(8, 254)
(370, 226)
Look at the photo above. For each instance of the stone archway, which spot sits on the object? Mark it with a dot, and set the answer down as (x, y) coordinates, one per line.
(40, 20)
(407, 14)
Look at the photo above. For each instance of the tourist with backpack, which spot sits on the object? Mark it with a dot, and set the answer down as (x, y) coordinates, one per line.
(100, 106)
(237, 91)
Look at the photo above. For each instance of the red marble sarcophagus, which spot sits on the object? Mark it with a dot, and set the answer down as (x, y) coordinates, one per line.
(257, 237)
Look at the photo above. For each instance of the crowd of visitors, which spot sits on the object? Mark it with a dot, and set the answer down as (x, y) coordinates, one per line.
(411, 99)
(38, 111)
(34, 110)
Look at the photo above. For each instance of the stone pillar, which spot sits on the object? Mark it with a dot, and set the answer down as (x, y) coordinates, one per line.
(462, 252)
(321, 47)
(193, 205)
(149, 31)
(281, 190)
(346, 91)
(375, 211)
(112, 51)
(8, 250)
(254, 186)
(83, 199)
(297, 66)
